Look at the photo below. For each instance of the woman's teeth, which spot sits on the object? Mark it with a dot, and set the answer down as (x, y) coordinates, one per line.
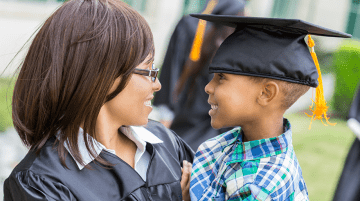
(148, 103)
(214, 107)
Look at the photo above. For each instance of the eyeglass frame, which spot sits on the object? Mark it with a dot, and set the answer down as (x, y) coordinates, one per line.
(151, 73)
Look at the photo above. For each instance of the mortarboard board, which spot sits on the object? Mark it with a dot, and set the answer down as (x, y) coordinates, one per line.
(272, 48)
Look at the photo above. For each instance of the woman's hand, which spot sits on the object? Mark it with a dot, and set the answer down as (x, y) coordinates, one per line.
(185, 180)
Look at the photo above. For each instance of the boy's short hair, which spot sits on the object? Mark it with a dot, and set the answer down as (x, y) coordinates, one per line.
(291, 91)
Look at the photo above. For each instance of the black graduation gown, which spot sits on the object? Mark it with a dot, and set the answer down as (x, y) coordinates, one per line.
(42, 177)
(192, 121)
(349, 184)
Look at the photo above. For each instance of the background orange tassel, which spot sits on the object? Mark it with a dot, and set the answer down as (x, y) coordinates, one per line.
(200, 32)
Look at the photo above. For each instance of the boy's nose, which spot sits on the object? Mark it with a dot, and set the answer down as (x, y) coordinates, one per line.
(208, 88)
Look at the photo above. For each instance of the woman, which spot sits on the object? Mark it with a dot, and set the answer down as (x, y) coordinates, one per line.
(83, 92)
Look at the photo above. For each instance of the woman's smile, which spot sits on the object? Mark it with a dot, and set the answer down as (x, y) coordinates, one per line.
(148, 103)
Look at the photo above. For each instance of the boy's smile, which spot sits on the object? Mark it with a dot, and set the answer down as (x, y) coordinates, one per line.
(232, 99)
(213, 108)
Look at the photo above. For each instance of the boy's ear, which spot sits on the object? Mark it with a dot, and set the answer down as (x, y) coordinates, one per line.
(269, 90)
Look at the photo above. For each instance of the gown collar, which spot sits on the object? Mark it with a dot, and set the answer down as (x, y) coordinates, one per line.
(138, 134)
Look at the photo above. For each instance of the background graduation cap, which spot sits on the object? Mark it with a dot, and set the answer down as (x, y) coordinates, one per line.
(217, 7)
(272, 48)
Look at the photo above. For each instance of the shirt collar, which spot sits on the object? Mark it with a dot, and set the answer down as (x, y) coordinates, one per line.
(138, 134)
(262, 148)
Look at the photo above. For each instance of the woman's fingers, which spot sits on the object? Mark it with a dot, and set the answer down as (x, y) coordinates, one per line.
(185, 180)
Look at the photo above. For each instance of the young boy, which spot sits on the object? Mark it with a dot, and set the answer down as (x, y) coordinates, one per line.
(259, 72)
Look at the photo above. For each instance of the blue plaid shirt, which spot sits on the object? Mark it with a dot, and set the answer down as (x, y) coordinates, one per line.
(225, 168)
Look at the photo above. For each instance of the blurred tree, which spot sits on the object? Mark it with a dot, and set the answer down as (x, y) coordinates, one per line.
(346, 64)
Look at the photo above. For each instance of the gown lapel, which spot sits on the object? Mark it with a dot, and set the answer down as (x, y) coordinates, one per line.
(163, 168)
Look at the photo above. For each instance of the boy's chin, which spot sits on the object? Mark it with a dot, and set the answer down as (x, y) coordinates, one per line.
(216, 125)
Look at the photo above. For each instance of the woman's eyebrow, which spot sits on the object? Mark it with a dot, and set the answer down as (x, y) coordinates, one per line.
(149, 61)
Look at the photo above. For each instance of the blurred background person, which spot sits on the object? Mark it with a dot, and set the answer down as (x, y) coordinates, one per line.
(348, 187)
(182, 102)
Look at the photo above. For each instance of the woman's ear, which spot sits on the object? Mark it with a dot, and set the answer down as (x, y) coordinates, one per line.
(269, 91)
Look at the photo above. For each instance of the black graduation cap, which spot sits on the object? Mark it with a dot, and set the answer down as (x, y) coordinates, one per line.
(272, 48)
(268, 47)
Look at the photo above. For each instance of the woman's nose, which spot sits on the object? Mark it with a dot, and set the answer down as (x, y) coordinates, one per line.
(157, 85)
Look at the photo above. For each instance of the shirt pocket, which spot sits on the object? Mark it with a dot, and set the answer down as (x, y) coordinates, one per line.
(218, 198)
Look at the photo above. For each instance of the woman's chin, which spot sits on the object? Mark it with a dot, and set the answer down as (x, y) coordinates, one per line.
(143, 122)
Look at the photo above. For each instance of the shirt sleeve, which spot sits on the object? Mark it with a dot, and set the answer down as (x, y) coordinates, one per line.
(26, 185)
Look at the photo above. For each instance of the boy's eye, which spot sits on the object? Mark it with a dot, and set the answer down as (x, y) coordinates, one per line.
(221, 76)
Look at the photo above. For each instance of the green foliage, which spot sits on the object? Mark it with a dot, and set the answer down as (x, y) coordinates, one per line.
(346, 64)
(6, 90)
(321, 152)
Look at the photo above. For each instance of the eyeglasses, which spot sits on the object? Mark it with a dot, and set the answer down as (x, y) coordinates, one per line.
(151, 73)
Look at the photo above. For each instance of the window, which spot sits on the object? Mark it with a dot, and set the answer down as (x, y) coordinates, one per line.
(353, 26)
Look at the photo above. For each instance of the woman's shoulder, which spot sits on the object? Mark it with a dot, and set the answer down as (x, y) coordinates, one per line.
(45, 161)
(24, 184)
(31, 159)
(168, 136)
(159, 129)
(36, 175)
(165, 134)
(170, 140)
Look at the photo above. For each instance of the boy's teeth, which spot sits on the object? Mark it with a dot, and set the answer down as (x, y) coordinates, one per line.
(214, 107)
(148, 103)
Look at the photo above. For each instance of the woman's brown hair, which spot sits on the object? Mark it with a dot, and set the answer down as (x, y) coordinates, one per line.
(71, 64)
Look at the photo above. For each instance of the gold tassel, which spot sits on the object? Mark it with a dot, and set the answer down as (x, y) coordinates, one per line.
(200, 32)
(320, 108)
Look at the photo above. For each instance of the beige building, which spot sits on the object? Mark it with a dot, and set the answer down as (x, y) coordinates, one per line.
(332, 14)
